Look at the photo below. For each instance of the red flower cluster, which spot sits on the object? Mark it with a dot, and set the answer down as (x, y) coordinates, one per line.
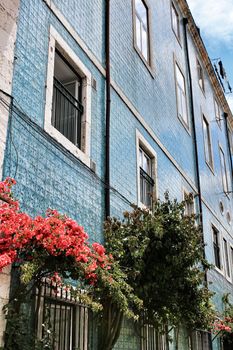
(56, 234)
(223, 325)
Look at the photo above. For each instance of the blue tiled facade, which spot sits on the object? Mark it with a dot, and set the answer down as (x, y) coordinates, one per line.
(142, 100)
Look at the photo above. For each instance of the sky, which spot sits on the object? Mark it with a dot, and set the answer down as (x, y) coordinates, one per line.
(215, 20)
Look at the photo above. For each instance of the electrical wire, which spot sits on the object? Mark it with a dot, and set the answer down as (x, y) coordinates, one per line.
(16, 111)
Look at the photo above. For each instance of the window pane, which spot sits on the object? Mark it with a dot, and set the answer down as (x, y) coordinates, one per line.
(138, 34)
(146, 164)
(226, 258)
(216, 248)
(175, 21)
(180, 78)
(181, 95)
(232, 262)
(67, 108)
(184, 109)
(141, 11)
(207, 142)
(142, 28)
(200, 75)
(223, 171)
(144, 43)
(217, 111)
(140, 158)
(230, 135)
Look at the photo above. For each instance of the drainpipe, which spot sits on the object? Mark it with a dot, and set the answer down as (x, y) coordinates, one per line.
(186, 48)
(108, 110)
(225, 116)
(185, 22)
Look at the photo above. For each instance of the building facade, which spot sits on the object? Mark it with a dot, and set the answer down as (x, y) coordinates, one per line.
(170, 125)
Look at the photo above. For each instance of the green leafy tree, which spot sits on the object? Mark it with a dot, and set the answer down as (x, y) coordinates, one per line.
(161, 253)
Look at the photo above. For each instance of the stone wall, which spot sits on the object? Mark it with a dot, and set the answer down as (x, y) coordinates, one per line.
(8, 26)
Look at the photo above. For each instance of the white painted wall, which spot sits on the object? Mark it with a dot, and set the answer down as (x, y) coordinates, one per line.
(8, 26)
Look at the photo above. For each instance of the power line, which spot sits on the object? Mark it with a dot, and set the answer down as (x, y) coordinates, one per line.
(13, 109)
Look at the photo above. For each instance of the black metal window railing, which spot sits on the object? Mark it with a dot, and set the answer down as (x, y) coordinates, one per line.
(66, 113)
(146, 188)
(68, 322)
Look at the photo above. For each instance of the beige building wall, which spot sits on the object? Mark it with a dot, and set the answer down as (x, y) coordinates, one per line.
(8, 24)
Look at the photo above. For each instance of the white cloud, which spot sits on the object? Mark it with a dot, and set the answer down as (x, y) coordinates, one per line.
(215, 18)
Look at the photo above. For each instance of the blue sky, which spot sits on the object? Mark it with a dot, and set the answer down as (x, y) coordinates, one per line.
(215, 20)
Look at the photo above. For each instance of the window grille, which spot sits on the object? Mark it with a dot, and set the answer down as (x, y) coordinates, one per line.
(146, 180)
(67, 109)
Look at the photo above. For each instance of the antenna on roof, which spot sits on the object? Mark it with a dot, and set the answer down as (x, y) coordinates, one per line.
(221, 75)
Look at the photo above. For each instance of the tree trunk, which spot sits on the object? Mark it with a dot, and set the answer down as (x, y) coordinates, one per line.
(110, 326)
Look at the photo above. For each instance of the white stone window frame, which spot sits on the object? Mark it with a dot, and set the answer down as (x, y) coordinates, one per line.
(185, 123)
(231, 260)
(228, 277)
(230, 135)
(218, 112)
(56, 41)
(208, 150)
(200, 76)
(176, 12)
(220, 240)
(224, 172)
(149, 62)
(141, 142)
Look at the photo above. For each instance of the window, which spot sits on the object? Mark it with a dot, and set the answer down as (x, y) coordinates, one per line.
(207, 143)
(175, 21)
(142, 29)
(216, 247)
(224, 171)
(146, 180)
(146, 171)
(232, 262)
(200, 76)
(227, 265)
(189, 203)
(217, 112)
(181, 95)
(230, 135)
(67, 109)
(68, 98)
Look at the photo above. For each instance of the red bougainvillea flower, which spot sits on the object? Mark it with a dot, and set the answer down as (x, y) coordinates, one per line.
(57, 235)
